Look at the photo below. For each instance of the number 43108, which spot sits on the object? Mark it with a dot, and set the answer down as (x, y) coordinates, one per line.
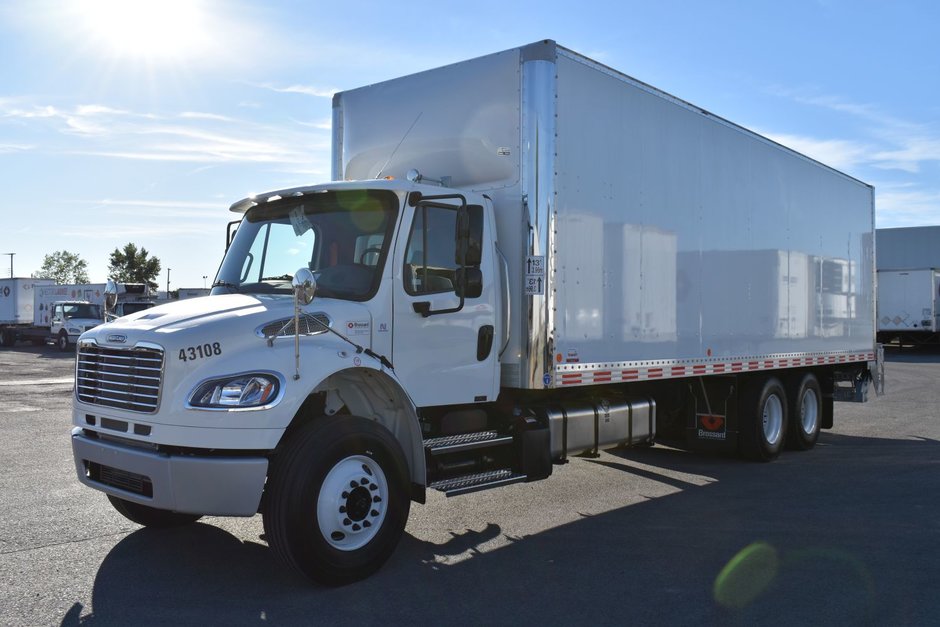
(201, 351)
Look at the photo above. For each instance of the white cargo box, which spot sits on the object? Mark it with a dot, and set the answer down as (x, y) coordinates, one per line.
(16, 299)
(908, 300)
(666, 236)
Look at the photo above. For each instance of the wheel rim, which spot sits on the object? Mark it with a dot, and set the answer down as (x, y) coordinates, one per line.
(352, 503)
(809, 412)
(772, 419)
(63, 342)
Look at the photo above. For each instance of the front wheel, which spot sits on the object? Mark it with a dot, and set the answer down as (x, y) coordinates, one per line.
(337, 499)
(150, 516)
(62, 341)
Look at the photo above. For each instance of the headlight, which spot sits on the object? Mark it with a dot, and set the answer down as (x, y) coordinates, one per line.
(238, 391)
(74, 330)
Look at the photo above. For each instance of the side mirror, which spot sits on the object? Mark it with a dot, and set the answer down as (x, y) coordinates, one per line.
(305, 286)
(469, 282)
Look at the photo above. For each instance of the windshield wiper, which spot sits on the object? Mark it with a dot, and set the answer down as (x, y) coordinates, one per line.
(226, 284)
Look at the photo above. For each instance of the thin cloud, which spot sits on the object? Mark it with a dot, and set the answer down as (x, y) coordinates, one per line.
(841, 154)
(894, 143)
(306, 90)
(906, 205)
(187, 137)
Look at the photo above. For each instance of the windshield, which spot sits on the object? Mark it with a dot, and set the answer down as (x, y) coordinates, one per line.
(81, 310)
(342, 236)
(129, 308)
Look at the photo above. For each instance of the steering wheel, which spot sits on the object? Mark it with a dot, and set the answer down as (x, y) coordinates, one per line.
(372, 249)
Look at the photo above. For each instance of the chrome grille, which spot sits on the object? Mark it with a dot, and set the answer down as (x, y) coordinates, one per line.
(124, 378)
(310, 324)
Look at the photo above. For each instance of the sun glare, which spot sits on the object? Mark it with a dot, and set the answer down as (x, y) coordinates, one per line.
(145, 29)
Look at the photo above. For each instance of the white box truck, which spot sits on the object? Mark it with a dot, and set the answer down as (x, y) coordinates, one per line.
(59, 314)
(522, 257)
(908, 310)
(16, 306)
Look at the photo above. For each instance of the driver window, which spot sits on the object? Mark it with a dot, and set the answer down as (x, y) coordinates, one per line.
(429, 258)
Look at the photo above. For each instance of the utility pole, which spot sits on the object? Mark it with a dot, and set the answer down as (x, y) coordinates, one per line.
(11, 263)
(168, 283)
(204, 277)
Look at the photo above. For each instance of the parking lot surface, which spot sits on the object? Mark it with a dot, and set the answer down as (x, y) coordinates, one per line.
(847, 533)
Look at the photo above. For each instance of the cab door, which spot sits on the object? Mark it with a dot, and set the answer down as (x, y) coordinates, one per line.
(445, 350)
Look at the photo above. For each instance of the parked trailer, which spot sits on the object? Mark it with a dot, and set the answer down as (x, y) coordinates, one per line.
(909, 306)
(523, 257)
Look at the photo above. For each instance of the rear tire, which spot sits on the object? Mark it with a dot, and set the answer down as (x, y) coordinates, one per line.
(805, 417)
(337, 499)
(7, 338)
(763, 418)
(150, 516)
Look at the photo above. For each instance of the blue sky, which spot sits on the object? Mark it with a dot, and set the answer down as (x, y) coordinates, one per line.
(124, 120)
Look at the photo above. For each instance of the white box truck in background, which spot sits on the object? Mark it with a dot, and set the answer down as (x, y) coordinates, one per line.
(59, 314)
(522, 257)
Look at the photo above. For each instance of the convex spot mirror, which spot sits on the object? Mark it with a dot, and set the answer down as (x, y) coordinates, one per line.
(305, 286)
(110, 295)
(469, 282)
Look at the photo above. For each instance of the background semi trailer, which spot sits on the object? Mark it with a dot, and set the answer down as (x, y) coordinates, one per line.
(908, 302)
(522, 257)
(908, 259)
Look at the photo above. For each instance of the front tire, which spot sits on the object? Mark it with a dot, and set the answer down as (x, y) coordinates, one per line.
(763, 419)
(805, 414)
(337, 499)
(150, 516)
(62, 341)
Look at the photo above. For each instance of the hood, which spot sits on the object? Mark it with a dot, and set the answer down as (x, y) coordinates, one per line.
(230, 317)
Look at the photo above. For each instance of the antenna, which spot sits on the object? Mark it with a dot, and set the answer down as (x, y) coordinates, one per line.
(389, 160)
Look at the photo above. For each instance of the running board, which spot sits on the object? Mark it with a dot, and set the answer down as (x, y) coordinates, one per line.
(465, 442)
(477, 481)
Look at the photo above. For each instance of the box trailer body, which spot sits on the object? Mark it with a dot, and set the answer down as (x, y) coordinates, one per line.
(908, 305)
(573, 154)
(521, 257)
(16, 299)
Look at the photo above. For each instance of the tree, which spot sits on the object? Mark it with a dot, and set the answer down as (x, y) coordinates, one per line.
(63, 267)
(130, 265)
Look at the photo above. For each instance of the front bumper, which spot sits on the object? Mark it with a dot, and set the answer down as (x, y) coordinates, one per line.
(192, 484)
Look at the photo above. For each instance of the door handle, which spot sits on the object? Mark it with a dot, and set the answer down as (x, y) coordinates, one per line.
(484, 342)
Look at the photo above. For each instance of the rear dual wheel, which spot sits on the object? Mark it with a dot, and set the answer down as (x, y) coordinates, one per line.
(763, 425)
(805, 413)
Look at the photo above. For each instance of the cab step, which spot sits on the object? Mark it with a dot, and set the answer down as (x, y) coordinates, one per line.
(465, 442)
(466, 484)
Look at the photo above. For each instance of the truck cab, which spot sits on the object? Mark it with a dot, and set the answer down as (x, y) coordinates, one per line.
(240, 379)
(70, 319)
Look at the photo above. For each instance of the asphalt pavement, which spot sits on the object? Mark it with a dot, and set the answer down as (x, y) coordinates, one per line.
(845, 534)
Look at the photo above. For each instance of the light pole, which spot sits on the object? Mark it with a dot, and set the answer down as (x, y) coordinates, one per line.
(11, 263)
(168, 283)
(204, 277)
